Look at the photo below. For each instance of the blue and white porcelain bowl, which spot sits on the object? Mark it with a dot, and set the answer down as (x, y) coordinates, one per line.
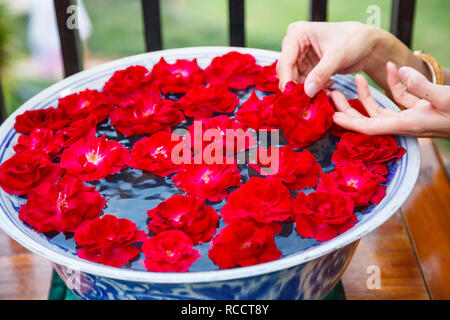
(307, 272)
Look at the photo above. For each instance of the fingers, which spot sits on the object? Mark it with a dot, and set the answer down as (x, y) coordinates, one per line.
(371, 126)
(287, 63)
(418, 85)
(343, 106)
(320, 74)
(371, 105)
(398, 90)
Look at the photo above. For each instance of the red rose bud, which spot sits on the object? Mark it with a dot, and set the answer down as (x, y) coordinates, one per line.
(108, 240)
(151, 114)
(62, 206)
(262, 200)
(323, 215)
(178, 77)
(208, 181)
(88, 102)
(373, 149)
(235, 69)
(124, 87)
(304, 120)
(243, 243)
(94, 158)
(26, 170)
(185, 213)
(355, 180)
(169, 251)
(203, 102)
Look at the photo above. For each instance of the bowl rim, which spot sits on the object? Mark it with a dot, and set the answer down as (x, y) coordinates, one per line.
(411, 172)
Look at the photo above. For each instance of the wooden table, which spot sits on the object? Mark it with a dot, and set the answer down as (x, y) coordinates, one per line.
(412, 249)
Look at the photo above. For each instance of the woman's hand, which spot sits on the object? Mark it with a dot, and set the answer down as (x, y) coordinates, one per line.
(313, 51)
(426, 114)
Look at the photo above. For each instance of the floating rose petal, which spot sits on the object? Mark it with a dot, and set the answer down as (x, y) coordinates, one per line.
(40, 139)
(49, 118)
(267, 78)
(235, 69)
(108, 240)
(62, 206)
(355, 180)
(297, 170)
(169, 251)
(124, 87)
(155, 154)
(149, 115)
(303, 120)
(243, 243)
(187, 214)
(208, 181)
(323, 215)
(26, 170)
(262, 200)
(336, 129)
(374, 149)
(94, 158)
(80, 105)
(178, 77)
(258, 114)
(203, 102)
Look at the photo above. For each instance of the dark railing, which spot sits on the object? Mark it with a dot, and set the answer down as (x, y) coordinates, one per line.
(402, 19)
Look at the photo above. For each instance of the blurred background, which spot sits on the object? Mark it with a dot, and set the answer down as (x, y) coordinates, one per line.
(114, 28)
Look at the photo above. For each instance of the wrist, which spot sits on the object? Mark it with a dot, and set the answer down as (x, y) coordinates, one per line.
(383, 50)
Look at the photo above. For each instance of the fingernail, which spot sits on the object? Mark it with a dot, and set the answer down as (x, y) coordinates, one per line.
(311, 89)
(403, 72)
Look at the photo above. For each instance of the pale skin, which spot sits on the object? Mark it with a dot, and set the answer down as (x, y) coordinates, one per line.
(313, 51)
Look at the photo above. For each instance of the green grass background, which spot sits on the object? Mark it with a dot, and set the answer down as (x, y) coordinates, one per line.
(118, 28)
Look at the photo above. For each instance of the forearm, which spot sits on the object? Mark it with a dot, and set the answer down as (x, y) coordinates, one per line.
(389, 48)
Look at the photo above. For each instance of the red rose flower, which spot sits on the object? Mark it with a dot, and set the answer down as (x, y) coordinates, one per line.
(355, 180)
(77, 130)
(375, 149)
(304, 120)
(237, 70)
(267, 78)
(94, 158)
(258, 114)
(40, 139)
(26, 170)
(88, 102)
(221, 131)
(242, 244)
(49, 118)
(108, 240)
(208, 181)
(297, 170)
(154, 154)
(62, 206)
(178, 77)
(336, 129)
(149, 115)
(202, 101)
(262, 200)
(124, 87)
(169, 251)
(323, 215)
(187, 214)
